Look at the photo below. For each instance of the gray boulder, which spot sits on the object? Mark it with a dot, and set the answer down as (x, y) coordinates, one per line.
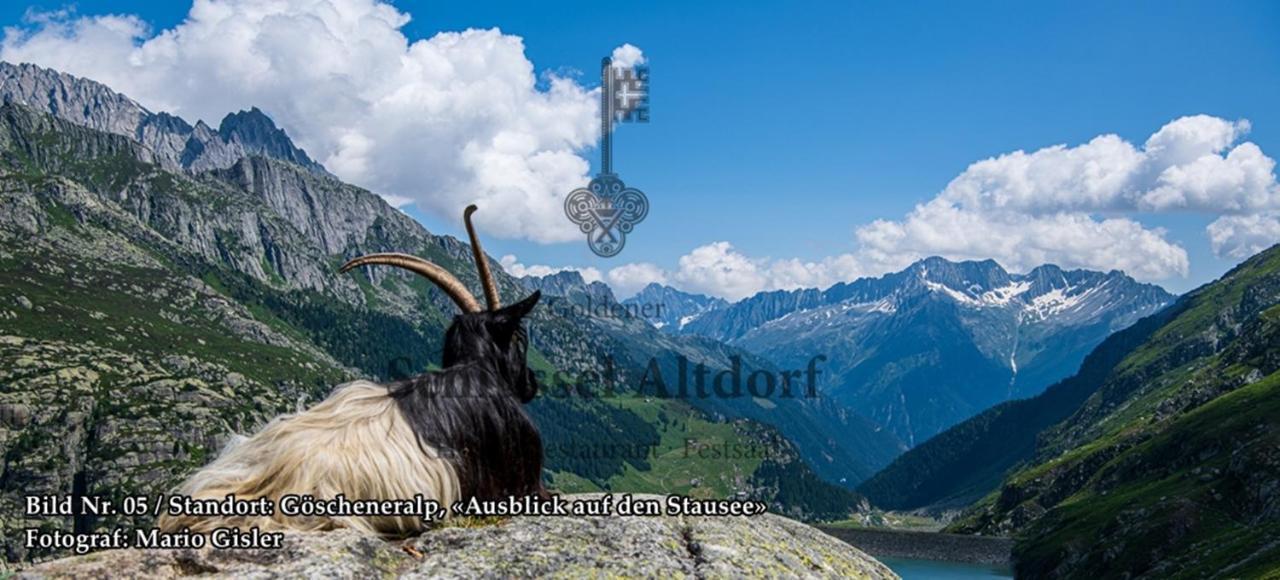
(566, 547)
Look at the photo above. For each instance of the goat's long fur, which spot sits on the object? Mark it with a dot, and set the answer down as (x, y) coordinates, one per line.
(451, 434)
(357, 442)
(447, 435)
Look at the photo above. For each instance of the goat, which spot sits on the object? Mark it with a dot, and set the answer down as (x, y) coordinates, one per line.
(454, 434)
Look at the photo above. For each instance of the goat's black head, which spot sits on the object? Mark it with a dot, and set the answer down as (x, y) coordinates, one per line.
(493, 337)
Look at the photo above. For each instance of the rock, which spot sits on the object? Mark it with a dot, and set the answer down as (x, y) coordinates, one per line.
(24, 302)
(566, 547)
(176, 143)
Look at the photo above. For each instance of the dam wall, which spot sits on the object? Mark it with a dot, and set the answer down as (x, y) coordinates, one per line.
(926, 545)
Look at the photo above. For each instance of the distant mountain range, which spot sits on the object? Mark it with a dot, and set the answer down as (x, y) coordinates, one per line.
(1159, 459)
(922, 349)
(840, 445)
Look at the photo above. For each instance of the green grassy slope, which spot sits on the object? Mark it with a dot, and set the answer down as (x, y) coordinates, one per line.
(1169, 468)
(969, 460)
(1183, 504)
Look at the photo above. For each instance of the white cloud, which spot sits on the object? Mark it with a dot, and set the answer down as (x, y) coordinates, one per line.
(1189, 164)
(718, 269)
(1020, 241)
(628, 279)
(446, 121)
(1238, 237)
(1023, 209)
(513, 267)
(627, 56)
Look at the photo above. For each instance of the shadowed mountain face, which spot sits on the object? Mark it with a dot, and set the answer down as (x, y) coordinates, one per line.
(921, 349)
(1159, 459)
(668, 309)
(840, 445)
(967, 461)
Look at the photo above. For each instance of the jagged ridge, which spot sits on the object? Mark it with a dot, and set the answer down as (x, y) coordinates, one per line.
(175, 143)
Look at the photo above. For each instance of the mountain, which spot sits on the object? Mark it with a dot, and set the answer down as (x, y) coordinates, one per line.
(922, 349)
(967, 461)
(175, 143)
(669, 309)
(1167, 466)
(841, 446)
(149, 310)
(569, 284)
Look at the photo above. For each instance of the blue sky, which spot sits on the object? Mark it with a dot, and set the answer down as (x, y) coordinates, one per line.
(782, 128)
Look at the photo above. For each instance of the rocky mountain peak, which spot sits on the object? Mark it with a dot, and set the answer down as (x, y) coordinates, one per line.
(570, 284)
(1046, 278)
(974, 277)
(250, 122)
(176, 143)
(258, 134)
(670, 309)
(81, 101)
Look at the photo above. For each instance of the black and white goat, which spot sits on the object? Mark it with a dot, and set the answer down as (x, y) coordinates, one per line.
(452, 434)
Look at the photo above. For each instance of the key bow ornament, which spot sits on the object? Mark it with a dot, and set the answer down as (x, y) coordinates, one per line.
(606, 210)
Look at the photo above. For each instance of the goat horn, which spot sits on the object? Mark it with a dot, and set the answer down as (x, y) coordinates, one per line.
(428, 270)
(482, 262)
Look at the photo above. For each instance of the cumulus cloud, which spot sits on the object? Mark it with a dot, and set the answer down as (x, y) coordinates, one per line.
(513, 267)
(463, 117)
(1189, 164)
(1020, 241)
(457, 118)
(628, 279)
(718, 269)
(1024, 209)
(1241, 236)
(627, 56)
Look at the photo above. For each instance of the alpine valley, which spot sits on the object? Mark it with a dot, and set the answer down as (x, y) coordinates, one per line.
(1160, 458)
(166, 285)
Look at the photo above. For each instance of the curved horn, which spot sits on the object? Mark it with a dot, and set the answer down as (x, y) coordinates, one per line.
(428, 270)
(482, 262)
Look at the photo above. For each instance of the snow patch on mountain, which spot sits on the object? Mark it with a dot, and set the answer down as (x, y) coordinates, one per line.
(952, 293)
(1005, 294)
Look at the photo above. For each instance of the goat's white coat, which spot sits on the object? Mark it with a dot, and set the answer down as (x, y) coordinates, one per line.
(356, 443)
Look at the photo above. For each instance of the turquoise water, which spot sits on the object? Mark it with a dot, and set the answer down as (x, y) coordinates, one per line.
(934, 570)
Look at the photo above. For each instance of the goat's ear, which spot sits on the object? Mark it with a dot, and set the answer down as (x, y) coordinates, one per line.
(518, 310)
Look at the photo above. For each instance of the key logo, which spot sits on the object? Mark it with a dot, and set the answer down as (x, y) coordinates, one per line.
(607, 210)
